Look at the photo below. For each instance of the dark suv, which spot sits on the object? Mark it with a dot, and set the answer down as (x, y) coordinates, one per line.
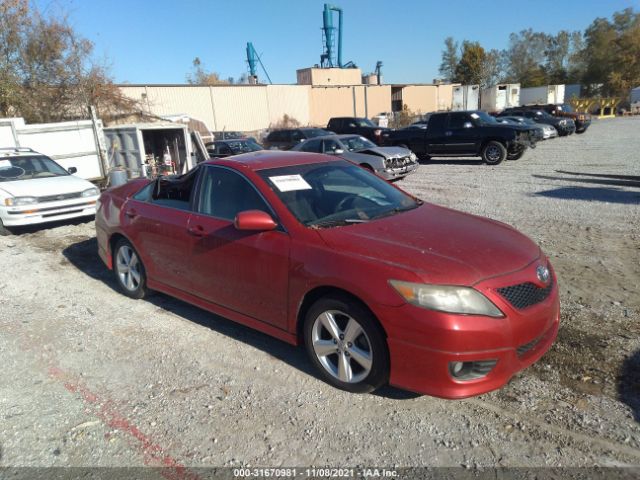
(288, 138)
(564, 126)
(359, 126)
(581, 119)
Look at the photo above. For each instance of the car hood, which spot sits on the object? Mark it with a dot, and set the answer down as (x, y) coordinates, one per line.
(386, 152)
(440, 245)
(42, 187)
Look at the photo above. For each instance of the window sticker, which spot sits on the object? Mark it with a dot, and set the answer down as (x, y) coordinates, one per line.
(5, 164)
(289, 183)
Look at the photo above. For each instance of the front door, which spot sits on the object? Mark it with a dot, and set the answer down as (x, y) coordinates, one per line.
(245, 271)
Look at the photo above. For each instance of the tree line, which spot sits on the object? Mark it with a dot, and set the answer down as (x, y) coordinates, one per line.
(605, 58)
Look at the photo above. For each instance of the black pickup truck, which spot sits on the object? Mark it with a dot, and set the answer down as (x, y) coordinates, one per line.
(465, 134)
(358, 126)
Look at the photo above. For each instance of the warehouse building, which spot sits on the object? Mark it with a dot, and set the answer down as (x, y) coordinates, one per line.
(322, 93)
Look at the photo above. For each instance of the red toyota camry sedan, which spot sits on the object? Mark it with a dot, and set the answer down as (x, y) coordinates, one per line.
(378, 285)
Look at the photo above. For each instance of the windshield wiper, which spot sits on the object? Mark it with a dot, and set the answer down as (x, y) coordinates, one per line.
(337, 223)
(396, 210)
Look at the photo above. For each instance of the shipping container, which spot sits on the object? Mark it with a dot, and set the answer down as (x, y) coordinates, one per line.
(499, 97)
(78, 144)
(150, 149)
(465, 97)
(547, 94)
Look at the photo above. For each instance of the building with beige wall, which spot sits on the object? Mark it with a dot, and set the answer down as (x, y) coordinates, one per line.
(329, 76)
(422, 98)
(256, 107)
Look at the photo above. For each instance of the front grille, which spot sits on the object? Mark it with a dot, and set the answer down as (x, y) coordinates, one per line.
(57, 198)
(526, 294)
(398, 162)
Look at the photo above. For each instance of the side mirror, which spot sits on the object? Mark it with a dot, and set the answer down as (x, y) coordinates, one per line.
(468, 125)
(72, 170)
(256, 220)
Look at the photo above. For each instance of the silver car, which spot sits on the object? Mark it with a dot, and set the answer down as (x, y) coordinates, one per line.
(390, 163)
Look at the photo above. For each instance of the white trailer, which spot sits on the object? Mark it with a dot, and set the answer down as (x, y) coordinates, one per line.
(466, 97)
(635, 95)
(149, 149)
(547, 94)
(78, 144)
(499, 97)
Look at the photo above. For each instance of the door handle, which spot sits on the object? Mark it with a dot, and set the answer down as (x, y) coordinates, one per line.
(196, 231)
(131, 213)
(448, 133)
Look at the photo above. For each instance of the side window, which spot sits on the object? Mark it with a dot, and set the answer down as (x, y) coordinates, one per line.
(437, 122)
(275, 136)
(225, 193)
(224, 150)
(144, 195)
(311, 146)
(174, 192)
(330, 146)
(296, 136)
(457, 120)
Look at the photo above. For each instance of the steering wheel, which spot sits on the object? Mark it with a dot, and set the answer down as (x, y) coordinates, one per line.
(346, 203)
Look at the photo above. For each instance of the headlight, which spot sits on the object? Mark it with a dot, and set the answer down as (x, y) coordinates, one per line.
(444, 298)
(91, 192)
(17, 201)
(413, 157)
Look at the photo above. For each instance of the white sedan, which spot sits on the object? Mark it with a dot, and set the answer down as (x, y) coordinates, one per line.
(34, 189)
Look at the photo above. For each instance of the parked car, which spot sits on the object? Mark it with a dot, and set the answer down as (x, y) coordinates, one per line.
(378, 285)
(465, 134)
(541, 130)
(359, 126)
(227, 135)
(288, 138)
(226, 148)
(34, 189)
(581, 119)
(564, 126)
(390, 163)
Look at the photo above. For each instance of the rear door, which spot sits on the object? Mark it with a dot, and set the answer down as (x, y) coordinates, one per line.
(156, 221)
(460, 134)
(244, 271)
(435, 137)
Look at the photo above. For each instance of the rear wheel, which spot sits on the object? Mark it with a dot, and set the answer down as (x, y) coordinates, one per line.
(494, 153)
(129, 270)
(346, 345)
(3, 230)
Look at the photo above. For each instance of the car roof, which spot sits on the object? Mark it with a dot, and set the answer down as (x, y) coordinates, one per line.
(17, 152)
(340, 136)
(265, 159)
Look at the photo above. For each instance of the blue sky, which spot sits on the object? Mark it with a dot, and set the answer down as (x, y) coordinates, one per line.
(155, 41)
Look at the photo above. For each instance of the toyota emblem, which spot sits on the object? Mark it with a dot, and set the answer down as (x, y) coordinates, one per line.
(543, 274)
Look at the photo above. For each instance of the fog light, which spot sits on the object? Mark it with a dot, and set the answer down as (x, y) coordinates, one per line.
(471, 370)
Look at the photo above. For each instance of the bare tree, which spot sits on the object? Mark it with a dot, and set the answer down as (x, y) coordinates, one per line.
(200, 76)
(46, 69)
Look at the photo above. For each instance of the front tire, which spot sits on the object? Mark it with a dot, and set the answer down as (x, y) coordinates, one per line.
(494, 153)
(129, 270)
(517, 155)
(346, 345)
(4, 231)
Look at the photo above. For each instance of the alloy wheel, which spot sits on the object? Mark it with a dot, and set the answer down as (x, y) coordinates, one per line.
(493, 153)
(341, 346)
(128, 268)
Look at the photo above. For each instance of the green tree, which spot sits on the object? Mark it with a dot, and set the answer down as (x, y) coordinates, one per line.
(471, 67)
(525, 58)
(450, 59)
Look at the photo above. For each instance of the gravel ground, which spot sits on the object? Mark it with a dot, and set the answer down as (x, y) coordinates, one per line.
(92, 378)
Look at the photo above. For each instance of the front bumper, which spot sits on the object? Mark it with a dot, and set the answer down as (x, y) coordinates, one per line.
(47, 212)
(423, 343)
(582, 125)
(566, 129)
(399, 172)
